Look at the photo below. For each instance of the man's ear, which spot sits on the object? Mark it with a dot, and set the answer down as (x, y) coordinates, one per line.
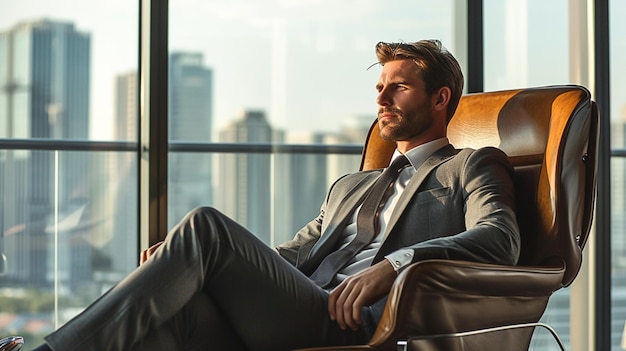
(441, 98)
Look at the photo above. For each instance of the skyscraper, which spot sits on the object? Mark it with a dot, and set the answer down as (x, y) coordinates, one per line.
(120, 243)
(190, 118)
(44, 93)
(300, 187)
(274, 195)
(126, 109)
(305, 178)
(244, 192)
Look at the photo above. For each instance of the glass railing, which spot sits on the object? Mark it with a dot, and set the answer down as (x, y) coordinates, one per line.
(69, 229)
(69, 217)
(70, 208)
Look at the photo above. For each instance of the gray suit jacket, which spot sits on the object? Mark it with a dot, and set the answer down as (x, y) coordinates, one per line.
(458, 205)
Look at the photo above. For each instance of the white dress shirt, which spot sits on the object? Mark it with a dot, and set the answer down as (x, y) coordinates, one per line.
(403, 257)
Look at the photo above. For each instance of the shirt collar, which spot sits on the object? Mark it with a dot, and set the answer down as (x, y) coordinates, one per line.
(419, 154)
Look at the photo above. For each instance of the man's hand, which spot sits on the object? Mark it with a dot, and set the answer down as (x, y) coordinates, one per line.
(362, 289)
(145, 254)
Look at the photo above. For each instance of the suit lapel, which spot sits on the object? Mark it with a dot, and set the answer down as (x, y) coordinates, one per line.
(337, 215)
(416, 181)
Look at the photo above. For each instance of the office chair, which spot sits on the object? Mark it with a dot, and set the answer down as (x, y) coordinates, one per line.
(550, 135)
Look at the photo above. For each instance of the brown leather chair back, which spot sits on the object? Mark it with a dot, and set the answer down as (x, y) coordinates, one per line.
(550, 135)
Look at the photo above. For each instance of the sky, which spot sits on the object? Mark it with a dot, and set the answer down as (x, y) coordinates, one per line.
(305, 63)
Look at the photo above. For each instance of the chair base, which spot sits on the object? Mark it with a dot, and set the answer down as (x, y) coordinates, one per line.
(457, 341)
(12, 343)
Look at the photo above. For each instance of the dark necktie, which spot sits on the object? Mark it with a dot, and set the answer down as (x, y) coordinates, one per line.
(366, 223)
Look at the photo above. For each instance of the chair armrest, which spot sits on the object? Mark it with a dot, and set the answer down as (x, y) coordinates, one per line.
(447, 296)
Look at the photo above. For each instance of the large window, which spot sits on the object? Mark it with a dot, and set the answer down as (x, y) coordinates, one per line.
(617, 46)
(279, 73)
(526, 44)
(68, 170)
(268, 102)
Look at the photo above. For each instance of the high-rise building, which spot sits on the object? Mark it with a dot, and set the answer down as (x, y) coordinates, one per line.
(307, 177)
(126, 109)
(121, 175)
(244, 192)
(300, 187)
(44, 93)
(190, 119)
(354, 131)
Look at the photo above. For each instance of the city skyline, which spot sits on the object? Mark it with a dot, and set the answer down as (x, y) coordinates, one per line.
(239, 89)
(82, 199)
(76, 241)
(266, 102)
(115, 51)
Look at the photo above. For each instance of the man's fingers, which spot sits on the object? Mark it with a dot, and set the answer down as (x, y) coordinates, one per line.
(356, 313)
(352, 308)
(343, 305)
(348, 298)
(145, 254)
(332, 303)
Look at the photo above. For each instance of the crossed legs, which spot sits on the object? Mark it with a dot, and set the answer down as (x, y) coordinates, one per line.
(252, 296)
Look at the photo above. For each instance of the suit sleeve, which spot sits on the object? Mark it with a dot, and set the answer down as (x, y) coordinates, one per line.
(302, 242)
(295, 249)
(491, 232)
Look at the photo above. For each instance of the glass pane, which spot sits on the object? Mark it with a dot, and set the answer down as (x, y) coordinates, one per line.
(556, 316)
(68, 234)
(618, 172)
(58, 63)
(617, 28)
(526, 44)
(250, 189)
(544, 340)
(617, 48)
(68, 223)
(278, 72)
(618, 249)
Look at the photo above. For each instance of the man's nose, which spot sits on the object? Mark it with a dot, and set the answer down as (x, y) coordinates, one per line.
(383, 98)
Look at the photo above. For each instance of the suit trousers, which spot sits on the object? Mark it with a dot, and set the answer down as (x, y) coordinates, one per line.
(211, 285)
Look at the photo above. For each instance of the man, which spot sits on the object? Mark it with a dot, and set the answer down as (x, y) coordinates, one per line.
(212, 285)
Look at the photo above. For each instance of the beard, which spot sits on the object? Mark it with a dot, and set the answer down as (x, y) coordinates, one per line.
(404, 126)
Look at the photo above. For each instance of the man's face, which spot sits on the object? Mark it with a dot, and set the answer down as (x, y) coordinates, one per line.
(405, 112)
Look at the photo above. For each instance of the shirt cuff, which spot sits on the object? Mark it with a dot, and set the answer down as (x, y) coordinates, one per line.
(400, 259)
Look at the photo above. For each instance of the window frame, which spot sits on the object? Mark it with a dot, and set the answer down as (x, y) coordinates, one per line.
(154, 144)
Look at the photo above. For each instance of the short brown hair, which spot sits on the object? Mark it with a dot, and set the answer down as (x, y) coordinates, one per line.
(436, 64)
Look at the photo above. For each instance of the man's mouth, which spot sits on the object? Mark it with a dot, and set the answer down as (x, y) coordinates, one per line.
(388, 113)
